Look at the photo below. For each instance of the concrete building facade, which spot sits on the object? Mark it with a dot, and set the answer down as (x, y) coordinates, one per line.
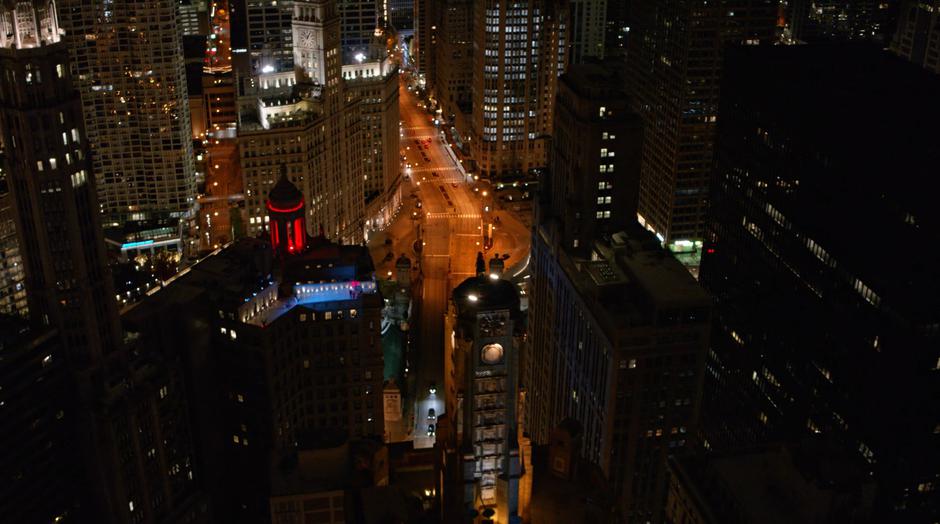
(373, 82)
(303, 121)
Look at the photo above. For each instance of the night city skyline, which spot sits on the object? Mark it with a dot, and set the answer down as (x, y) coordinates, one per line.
(469, 261)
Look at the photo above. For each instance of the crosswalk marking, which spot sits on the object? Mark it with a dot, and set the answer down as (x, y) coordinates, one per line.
(428, 169)
(433, 216)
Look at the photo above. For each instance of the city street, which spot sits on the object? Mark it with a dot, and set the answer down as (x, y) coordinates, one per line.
(450, 220)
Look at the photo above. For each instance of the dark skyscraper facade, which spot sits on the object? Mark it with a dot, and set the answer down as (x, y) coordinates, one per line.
(284, 345)
(596, 144)
(588, 27)
(120, 411)
(617, 327)
(455, 59)
(425, 37)
(819, 260)
(12, 287)
(265, 28)
(51, 183)
(400, 14)
(38, 463)
(359, 21)
(674, 64)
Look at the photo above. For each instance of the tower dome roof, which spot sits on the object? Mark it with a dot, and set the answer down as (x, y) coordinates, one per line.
(284, 194)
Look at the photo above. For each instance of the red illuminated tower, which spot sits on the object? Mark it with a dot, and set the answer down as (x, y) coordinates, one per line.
(288, 224)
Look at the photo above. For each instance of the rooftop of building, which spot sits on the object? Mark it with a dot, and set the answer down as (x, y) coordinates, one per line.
(245, 271)
(324, 464)
(487, 291)
(598, 83)
(359, 66)
(596, 78)
(630, 277)
(231, 273)
(866, 191)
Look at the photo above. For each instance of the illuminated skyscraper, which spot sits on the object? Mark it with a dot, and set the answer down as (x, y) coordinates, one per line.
(520, 49)
(194, 17)
(129, 68)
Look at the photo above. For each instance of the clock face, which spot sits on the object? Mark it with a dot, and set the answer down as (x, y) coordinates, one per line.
(306, 38)
(492, 353)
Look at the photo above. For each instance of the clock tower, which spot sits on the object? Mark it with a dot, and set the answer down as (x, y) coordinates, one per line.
(316, 35)
(486, 341)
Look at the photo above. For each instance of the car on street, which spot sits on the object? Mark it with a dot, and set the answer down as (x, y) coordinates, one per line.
(430, 430)
(431, 414)
(432, 388)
